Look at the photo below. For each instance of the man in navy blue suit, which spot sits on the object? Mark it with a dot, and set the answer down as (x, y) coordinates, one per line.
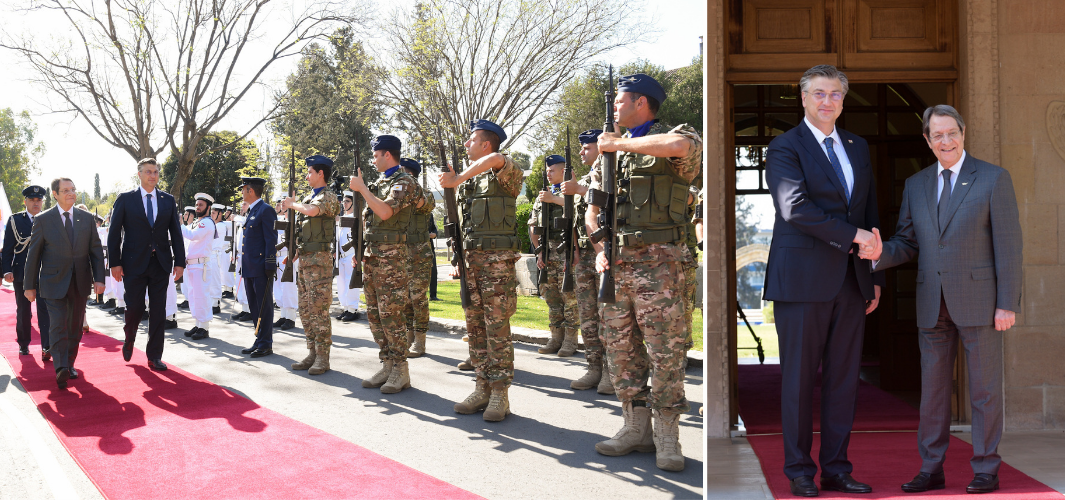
(143, 244)
(824, 193)
(16, 241)
(258, 262)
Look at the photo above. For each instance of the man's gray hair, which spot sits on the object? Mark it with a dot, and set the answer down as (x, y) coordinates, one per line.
(826, 71)
(943, 110)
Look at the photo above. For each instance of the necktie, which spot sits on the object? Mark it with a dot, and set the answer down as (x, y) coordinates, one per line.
(837, 166)
(151, 213)
(70, 228)
(944, 197)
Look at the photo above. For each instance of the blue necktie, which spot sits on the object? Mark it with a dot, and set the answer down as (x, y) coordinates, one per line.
(834, 160)
(151, 217)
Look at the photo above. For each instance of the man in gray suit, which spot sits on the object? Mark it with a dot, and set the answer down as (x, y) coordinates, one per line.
(66, 255)
(961, 214)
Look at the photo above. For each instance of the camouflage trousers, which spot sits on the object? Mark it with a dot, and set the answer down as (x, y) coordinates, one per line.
(315, 285)
(644, 334)
(586, 281)
(691, 280)
(561, 306)
(422, 260)
(386, 289)
(493, 287)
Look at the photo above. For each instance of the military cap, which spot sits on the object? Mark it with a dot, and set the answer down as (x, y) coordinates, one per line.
(553, 159)
(218, 206)
(319, 160)
(349, 194)
(97, 217)
(33, 192)
(412, 165)
(190, 209)
(589, 136)
(205, 197)
(386, 143)
(279, 198)
(642, 84)
(252, 181)
(489, 126)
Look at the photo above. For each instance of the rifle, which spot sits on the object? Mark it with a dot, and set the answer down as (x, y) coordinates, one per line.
(541, 230)
(356, 228)
(453, 228)
(289, 226)
(607, 202)
(565, 223)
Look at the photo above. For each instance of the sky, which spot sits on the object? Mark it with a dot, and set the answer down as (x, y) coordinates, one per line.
(74, 150)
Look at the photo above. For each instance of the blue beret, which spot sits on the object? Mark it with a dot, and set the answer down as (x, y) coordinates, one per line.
(319, 160)
(252, 181)
(411, 164)
(642, 84)
(33, 192)
(489, 126)
(386, 143)
(553, 159)
(589, 136)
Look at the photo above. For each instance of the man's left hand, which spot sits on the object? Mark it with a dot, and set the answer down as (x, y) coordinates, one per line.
(99, 288)
(31, 295)
(178, 271)
(1004, 319)
(870, 305)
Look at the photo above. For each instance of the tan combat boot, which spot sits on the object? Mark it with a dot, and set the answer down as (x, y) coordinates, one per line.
(418, 347)
(569, 343)
(605, 386)
(668, 455)
(635, 435)
(498, 403)
(398, 380)
(590, 378)
(321, 361)
(554, 344)
(378, 379)
(477, 401)
(410, 335)
(306, 363)
(466, 365)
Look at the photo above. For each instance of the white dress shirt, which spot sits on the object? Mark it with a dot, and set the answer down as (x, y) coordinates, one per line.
(837, 147)
(954, 171)
(155, 203)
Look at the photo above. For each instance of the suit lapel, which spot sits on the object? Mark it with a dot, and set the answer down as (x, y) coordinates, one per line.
(966, 177)
(806, 137)
(931, 181)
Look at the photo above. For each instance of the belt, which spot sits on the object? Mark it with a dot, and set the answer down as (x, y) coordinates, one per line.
(197, 260)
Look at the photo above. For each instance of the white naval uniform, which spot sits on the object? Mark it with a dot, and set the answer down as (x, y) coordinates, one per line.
(348, 297)
(109, 288)
(199, 263)
(214, 279)
(238, 247)
(228, 279)
(285, 294)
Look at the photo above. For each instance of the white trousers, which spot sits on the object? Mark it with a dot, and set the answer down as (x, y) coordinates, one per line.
(199, 303)
(348, 297)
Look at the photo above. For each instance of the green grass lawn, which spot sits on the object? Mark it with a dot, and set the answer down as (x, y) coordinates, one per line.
(768, 334)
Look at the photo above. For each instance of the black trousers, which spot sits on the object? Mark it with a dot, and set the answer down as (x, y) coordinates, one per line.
(23, 316)
(153, 279)
(828, 335)
(260, 292)
(68, 314)
(432, 280)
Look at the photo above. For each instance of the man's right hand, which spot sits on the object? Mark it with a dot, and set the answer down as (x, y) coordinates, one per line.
(9, 277)
(866, 241)
(31, 295)
(571, 187)
(116, 273)
(872, 253)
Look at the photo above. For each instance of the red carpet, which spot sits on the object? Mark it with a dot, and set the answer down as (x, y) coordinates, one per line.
(759, 394)
(142, 434)
(885, 460)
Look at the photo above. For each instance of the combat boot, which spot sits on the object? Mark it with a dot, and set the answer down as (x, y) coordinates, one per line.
(554, 344)
(321, 361)
(498, 403)
(466, 365)
(418, 347)
(307, 362)
(476, 401)
(378, 379)
(410, 335)
(605, 386)
(635, 435)
(590, 378)
(569, 343)
(398, 380)
(668, 455)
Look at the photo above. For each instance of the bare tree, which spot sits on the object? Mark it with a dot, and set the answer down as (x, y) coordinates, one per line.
(188, 62)
(505, 60)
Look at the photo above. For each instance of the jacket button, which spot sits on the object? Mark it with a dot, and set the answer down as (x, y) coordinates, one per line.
(942, 246)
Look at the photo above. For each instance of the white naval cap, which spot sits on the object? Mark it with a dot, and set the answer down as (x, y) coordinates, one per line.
(218, 206)
(205, 197)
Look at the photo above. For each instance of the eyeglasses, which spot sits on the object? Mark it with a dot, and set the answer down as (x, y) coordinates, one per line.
(68, 191)
(820, 96)
(950, 136)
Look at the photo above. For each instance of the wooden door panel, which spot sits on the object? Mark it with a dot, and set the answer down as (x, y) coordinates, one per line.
(783, 26)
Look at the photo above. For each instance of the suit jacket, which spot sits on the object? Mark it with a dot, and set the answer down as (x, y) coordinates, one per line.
(11, 262)
(974, 259)
(130, 236)
(815, 225)
(259, 255)
(53, 259)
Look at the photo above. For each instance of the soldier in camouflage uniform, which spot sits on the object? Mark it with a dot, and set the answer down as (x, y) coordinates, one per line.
(490, 187)
(644, 329)
(585, 277)
(691, 268)
(561, 306)
(315, 233)
(389, 204)
(422, 260)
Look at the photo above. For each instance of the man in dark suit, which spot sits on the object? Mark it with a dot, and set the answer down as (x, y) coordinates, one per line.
(822, 185)
(66, 255)
(143, 244)
(258, 262)
(960, 215)
(13, 262)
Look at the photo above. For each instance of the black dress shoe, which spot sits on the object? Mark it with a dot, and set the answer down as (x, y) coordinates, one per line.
(216, 310)
(61, 377)
(238, 316)
(983, 483)
(434, 299)
(279, 322)
(924, 481)
(110, 304)
(23, 351)
(127, 351)
(227, 294)
(118, 311)
(355, 316)
(201, 334)
(803, 486)
(844, 483)
(170, 324)
(342, 315)
(192, 332)
(183, 305)
(46, 355)
(277, 307)
(156, 365)
(288, 324)
(247, 319)
(258, 353)
(73, 373)
(248, 350)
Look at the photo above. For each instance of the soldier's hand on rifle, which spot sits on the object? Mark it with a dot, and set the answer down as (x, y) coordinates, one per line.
(608, 142)
(287, 203)
(571, 187)
(547, 197)
(448, 178)
(601, 263)
(540, 261)
(356, 184)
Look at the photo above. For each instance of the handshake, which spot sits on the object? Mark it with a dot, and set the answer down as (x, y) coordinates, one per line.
(869, 244)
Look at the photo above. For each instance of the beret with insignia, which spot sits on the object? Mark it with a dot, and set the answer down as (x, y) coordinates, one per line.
(386, 143)
(553, 159)
(642, 84)
(589, 136)
(412, 165)
(319, 160)
(489, 126)
(33, 192)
